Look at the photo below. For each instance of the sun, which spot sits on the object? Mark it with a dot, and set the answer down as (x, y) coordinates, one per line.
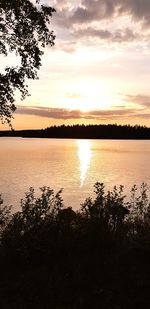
(90, 103)
(84, 108)
(87, 97)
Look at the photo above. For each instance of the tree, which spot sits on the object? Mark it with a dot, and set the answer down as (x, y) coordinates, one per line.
(24, 30)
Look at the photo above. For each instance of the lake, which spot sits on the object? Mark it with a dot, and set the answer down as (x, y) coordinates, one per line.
(74, 165)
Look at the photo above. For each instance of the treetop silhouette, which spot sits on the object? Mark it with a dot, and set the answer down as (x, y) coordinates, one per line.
(24, 30)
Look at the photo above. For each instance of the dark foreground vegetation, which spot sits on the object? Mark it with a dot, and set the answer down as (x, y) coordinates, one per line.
(110, 131)
(97, 257)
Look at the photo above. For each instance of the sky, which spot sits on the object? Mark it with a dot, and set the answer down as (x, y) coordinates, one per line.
(97, 72)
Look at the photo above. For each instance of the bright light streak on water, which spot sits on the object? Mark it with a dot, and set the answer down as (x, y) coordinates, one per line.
(84, 154)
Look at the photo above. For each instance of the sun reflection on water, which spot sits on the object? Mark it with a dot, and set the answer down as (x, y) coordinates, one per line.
(84, 154)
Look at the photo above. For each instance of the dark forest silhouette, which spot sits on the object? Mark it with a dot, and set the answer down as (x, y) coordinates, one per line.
(110, 131)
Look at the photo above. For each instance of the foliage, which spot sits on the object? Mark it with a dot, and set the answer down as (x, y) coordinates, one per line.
(95, 257)
(108, 216)
(109, 209)
(26, 228)
(24, 30)
(5, 215)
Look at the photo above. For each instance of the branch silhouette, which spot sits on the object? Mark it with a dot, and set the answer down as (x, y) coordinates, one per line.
(24, 30)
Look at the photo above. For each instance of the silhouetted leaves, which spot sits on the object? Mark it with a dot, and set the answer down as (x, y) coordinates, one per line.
(5, 215)
(109, 215)
(24, 31)
(95, 257)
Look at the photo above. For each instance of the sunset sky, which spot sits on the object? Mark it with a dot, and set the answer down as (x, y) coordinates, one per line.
(97, 72)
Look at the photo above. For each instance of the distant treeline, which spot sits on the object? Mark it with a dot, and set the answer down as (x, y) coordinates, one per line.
(110, 131)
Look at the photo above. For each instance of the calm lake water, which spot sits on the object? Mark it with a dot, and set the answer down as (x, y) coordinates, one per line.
(74, 165)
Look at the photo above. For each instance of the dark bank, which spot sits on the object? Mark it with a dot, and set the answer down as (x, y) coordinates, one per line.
(54, 257)
(110, 131)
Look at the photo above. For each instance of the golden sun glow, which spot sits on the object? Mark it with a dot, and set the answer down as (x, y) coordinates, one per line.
(84, 154)
(87, 96)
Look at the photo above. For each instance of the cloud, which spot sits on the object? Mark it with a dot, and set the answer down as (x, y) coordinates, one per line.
(67, 47)
(65, 114)
(144, 116)
(79, 19)
(55, 113)
(126, 35)
(98, 114)
(142, 100)
(61, 4)
(138, 10)
(101, 9)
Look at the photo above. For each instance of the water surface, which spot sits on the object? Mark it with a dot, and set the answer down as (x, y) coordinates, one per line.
(74, 165)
